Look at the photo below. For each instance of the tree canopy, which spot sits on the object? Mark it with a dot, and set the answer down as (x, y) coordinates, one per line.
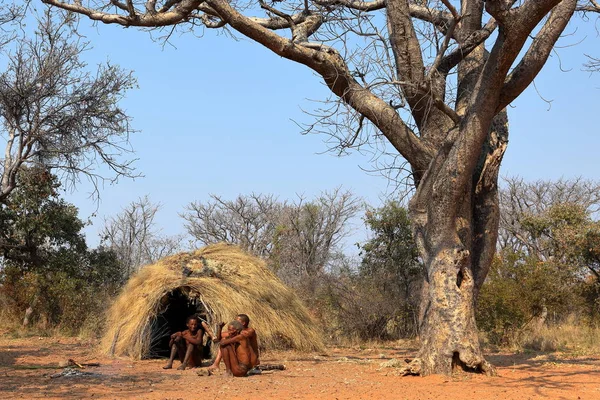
(56, 113)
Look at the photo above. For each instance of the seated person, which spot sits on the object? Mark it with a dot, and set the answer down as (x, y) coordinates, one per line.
(236, 350)
(187, 345)
(250, 333)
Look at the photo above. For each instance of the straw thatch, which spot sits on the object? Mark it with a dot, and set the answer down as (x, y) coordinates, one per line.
(226, 281)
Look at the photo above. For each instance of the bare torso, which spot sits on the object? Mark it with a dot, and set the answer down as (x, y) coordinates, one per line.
(250, 334)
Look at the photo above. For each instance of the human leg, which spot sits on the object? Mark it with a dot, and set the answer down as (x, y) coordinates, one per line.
(188, 355)
(174, 352)
(234, 367)
(215, 364)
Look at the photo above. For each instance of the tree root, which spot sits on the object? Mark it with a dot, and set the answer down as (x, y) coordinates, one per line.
(415, 367)
(486, 368)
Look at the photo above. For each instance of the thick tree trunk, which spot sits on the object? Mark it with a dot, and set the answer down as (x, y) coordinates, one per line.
(457, 251)
(448, 330)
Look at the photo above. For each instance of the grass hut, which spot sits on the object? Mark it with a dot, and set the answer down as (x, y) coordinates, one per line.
(217, 282)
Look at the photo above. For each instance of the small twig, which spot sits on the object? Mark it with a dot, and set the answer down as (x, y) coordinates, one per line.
(278, 13)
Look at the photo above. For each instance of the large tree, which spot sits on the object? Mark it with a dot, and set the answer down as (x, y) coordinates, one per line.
(431, 77)
(56, 113)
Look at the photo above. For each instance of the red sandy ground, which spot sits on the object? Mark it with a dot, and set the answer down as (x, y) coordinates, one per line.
(26, 366)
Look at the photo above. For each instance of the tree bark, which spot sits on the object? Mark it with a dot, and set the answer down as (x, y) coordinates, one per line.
(29, 311)
(457, 258)
(448, 332)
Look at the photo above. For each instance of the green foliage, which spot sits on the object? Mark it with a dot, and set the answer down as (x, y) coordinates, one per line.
(64, 295)
(36, 224)
(391, 253)
(380, 299)
(45, 263)
(522, 291)
(551, 275)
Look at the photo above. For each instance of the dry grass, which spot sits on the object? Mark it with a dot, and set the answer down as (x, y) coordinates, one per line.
(8, 322)
(570, 338)
(227, 281)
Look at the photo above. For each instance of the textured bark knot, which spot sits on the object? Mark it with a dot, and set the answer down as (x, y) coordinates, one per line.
(459, 278)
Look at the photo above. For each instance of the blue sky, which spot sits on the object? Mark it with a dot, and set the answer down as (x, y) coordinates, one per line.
(215, 115)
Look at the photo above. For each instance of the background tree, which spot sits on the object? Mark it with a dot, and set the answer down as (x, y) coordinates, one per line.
(46, 269)
(133, 237)
(249, 221)
(308, 237)
(55, 113)
(35, 221)
(556, 222)
(528, 208)
(547, 265)
(390, 268)
(433, 79)
(298, 239)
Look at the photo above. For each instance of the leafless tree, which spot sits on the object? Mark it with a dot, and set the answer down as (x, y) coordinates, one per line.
(427, 81)
(298, 239)
(132, 235)
(54, 113)
(11, 14)
(309, 234)
(520, 200)
(248, 221)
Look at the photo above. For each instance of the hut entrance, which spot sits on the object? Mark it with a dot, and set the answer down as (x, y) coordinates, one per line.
(176, 307)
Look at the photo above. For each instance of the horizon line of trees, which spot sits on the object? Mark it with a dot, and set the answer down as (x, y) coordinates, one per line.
(546, 269)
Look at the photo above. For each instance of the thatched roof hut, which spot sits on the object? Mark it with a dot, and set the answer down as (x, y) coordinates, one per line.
(217, 282)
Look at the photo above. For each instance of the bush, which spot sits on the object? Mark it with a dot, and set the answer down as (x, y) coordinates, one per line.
(63, 295)
(522, 293)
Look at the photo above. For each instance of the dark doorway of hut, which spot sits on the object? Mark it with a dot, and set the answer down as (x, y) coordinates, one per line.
(176, 306)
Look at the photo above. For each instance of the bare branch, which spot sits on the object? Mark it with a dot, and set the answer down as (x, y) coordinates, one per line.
(335, 72)
(592, 6)
(449, 34)
(538, 53)
(164, 17)
(56, 115)
(451, 60)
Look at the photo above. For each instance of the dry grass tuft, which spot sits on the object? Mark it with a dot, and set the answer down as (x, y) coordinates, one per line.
(227, 281)
(569, 338)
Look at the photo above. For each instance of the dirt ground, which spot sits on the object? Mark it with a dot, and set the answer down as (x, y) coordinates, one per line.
(29, 370)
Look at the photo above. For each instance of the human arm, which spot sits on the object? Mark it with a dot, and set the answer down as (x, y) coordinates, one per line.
(253, 341)
(233, 339)
(191, 338)
(219, 334)
(208, 331)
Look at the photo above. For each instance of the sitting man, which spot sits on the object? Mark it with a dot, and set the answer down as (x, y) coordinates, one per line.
(236, 350)
(188, 344)
(249, 333)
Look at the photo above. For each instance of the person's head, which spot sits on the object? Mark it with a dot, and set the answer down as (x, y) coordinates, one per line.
(234, 327)
(193, 323)
(244, 319)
